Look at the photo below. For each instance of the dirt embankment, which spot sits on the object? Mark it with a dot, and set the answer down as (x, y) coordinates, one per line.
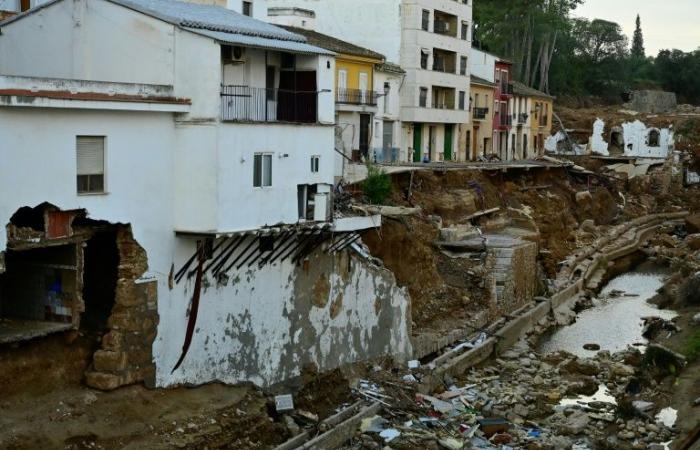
(443, 287)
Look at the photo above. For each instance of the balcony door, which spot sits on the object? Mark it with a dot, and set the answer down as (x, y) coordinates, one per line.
(365, 120)
(363, 86)
(448, 142)
(297, 97)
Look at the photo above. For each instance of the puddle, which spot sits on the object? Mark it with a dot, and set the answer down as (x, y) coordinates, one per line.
(603, 395)
(668, 417)
(614, 323)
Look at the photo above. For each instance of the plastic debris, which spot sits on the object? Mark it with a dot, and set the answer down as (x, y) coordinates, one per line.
(389, 434)
(414, 364)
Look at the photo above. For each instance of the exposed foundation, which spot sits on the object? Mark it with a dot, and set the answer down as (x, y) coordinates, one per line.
(63, 273)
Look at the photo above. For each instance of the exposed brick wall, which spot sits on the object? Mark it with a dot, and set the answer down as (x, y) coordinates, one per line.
(126, 354)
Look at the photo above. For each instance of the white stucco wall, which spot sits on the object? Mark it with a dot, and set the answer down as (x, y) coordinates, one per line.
(39, 165)
(483, 65)
(264, 325)
(636, 138)
(83, 39)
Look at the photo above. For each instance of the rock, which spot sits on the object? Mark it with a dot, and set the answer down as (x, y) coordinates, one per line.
(561, 442)
(584, 197)
(692, 223)
(451, 443)
(621, 370)
(525, 362)
(592, 347)
(696, 402)
(521, 410)
(627, 435)
(693, 241)
(642, 406)
(583, 366)
(696, 319)
(538, 380)
(575, 424)
(292, 426)
(588, 226)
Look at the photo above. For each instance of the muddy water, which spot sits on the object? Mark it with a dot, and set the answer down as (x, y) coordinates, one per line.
(614, 322)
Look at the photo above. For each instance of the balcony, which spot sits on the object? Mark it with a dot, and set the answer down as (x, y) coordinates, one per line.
(506, 88)
(250, 104)
(356, 97)
(480, 113)
(444, 61)
(506, 120)
(445, 24)
(522, 118)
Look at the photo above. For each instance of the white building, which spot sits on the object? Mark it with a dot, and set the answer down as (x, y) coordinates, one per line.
(167, 170)
(431, 40)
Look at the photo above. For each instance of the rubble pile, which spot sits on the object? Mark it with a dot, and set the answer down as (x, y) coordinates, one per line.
(521, 400)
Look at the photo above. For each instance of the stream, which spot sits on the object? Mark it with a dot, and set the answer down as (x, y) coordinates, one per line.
(615, 320)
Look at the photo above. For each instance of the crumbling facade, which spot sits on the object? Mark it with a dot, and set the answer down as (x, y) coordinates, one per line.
(148, 168)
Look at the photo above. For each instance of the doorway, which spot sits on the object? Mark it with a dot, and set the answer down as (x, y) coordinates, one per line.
(417, 142)
(365, 120)
(448, 142)
(431, 142)
(388, 141)
(101, 256)
(475, 144)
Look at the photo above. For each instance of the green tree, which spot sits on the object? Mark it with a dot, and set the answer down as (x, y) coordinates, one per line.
(638, 40)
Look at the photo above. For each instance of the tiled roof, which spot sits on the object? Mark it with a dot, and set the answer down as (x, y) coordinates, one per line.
(390, 67)
(520, 89)
(334, 44)
(479, 80)
(221, 24)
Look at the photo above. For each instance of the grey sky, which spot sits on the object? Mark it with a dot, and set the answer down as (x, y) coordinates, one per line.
(666, 24)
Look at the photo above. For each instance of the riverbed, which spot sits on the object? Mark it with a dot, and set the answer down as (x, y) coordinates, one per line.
(615, 320)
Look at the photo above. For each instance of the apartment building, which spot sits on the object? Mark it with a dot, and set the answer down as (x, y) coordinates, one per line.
(166, 181)
(431, 41)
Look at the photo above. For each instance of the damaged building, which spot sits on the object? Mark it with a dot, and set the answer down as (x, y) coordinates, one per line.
(628, 139)
(183, 212)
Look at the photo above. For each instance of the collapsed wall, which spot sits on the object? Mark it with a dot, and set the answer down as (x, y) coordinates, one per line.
(265, 324)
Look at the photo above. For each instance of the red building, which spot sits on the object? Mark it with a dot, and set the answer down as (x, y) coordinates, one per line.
(502, 119)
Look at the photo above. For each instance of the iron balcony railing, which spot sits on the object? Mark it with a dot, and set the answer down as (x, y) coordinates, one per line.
(480, 113)
(522, 118)
(356, 97)
(249, 104)
(441, 27)
(506, 120)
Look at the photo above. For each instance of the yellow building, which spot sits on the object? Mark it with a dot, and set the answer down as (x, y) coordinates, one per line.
(356, 99)
(541, 118)
(479, 138)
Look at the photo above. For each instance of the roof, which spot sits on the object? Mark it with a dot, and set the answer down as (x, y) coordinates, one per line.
(390, 67)
(334, 44)
(219, 23)
(520, 89)
(479, 80)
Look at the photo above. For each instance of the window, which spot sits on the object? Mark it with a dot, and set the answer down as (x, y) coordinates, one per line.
(463, 65)
(315, 161)
(423, 100)
(342, 79)
(90, 156)
(462, 100)
(247, 8)
(426, 20)
(465, 31)
(424, 59)
(262, 170)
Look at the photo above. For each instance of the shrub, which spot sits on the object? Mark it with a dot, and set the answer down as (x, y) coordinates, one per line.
(692, 347)
(377, 186)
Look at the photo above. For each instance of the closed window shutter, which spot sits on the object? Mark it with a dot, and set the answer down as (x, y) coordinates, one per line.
(90, 154)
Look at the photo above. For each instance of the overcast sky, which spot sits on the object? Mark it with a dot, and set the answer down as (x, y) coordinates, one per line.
(665, 23)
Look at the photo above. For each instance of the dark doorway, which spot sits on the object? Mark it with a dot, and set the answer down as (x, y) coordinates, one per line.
(448, 142)
(101, 264)
(365, 120)
(417, 142)
(297, 97)
(431, 142)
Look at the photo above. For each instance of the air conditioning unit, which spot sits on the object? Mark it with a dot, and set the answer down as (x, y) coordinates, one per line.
(232, 54)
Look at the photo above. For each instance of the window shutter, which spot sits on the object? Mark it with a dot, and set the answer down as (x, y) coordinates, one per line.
(90, 155)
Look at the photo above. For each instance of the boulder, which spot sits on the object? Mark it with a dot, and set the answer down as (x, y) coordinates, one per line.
(621, 370)
(575, 424)
(692, 223)
(585, 366)
(693, 241)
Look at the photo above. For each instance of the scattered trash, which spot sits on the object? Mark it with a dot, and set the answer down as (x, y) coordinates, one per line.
(414, 364)
(451, 443)
(373, 424)
(668, 417)
(389, 434)
(284, 403)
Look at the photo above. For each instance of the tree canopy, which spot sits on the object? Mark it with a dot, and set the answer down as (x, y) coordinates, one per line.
(558, 53)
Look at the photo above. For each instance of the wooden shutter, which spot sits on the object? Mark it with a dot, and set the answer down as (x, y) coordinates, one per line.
(90, 155)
